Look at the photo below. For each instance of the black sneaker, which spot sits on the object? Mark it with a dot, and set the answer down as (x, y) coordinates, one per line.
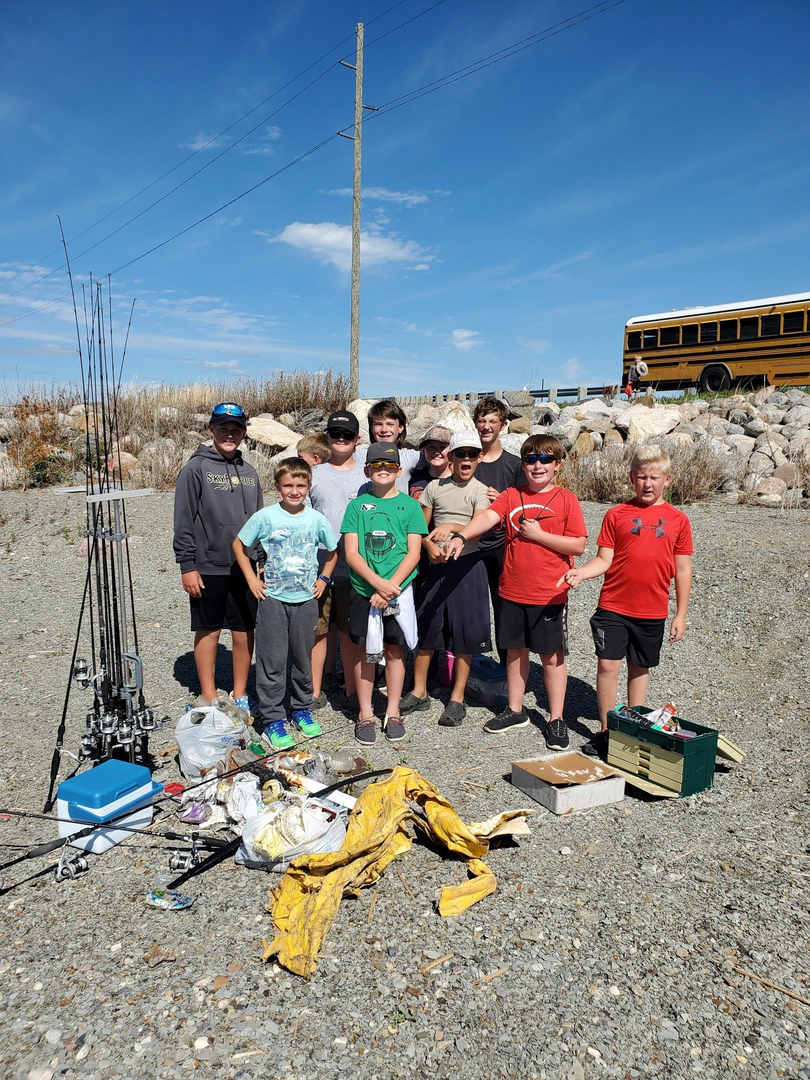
(319, 702)
(412, 703)
(557, 735)
(394, 729)
(453, 715)
(597, 745)
(365, 731)
(507, 720)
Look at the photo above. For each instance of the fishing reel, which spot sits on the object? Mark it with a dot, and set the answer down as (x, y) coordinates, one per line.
(81, 673)
(145, 719)
(69, 867)
(184, 860)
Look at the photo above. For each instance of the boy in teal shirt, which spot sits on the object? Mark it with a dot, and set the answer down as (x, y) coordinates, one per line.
(290, 532)
(383, 532)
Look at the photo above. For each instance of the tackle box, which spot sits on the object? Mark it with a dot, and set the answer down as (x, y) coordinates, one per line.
(114, 789)
(659, 762)
(487, 682)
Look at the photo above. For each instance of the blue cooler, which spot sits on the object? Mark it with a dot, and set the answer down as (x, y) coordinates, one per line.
(114, 789)
(487, 682)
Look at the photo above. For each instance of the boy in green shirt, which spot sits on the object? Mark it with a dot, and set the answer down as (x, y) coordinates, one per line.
(383, 532)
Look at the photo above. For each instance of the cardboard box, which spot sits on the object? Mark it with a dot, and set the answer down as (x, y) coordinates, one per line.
(567, 782)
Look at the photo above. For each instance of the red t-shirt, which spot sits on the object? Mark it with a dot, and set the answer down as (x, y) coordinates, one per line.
(645, 541)
(530, 569)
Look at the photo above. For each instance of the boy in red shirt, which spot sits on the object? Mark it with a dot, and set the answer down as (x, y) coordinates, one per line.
(544, 528)
(642, 545)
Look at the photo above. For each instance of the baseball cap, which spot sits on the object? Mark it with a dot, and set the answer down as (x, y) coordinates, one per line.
(345, 420)
(382, 451)
(465, 439)
(228, 412)
(436, 434)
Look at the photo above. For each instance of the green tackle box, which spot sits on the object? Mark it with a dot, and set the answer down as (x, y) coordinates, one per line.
(658, 760)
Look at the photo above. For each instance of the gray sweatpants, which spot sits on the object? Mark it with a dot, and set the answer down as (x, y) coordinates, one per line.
(282, 630)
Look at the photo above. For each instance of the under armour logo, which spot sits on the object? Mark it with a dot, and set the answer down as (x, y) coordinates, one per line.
(659, 528)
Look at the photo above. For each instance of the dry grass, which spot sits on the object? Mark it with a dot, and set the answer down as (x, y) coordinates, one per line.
(698, 472)
(45, 450)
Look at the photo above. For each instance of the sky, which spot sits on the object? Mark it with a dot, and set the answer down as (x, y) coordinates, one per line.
(635, 158)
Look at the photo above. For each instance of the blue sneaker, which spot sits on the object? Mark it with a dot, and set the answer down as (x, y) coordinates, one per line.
(302, 718)
(275, 735)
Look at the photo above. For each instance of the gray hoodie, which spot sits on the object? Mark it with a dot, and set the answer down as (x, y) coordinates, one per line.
(213, 499)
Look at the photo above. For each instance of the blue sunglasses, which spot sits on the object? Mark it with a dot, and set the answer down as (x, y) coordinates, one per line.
(227, 408)
(544, 459)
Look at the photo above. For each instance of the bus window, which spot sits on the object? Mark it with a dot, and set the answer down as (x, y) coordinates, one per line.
(770, 325)
(749, 328)
(793, 322)
(708, 332)
(728, 329)
(650, 339)
(633, 340)
(690, 334)
(670, 335)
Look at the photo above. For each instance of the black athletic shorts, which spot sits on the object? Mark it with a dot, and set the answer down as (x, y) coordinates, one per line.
(359, 607)
(618, 636)
(226, 603)
(542, 628)
(453, 610)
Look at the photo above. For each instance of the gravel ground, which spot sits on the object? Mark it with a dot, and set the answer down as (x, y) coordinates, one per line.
(615, 937)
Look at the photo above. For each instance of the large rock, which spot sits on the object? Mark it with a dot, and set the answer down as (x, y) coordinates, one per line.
(586, 410)
(583, 445)
(743, 444)
(512, 442)
(723, 406)
(661, 419)
(772, 414)
(455, 416)
(271, 433)
(770, 439)
(613, 437)
(800, 442)
(545, 414)
(125, 464)
(780, 399)
(789, 473)
(755, 426)
(769, 492)
(798, 397)
(759, 465)
(598, 424)
(676, 440)
(689, 410)
(797, 415)
(521, 425)
(641, 427)
(519, 403)
(566, 429)
(763, 395)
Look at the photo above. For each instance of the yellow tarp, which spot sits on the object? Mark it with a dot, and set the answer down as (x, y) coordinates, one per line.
(305, 903)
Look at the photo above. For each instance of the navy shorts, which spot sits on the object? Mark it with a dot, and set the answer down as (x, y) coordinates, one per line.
(359, 607)
(541, 628)
(453, 610)
(618, 636)
(226, 603)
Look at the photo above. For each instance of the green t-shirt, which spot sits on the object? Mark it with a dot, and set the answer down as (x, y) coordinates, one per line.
(382, 527)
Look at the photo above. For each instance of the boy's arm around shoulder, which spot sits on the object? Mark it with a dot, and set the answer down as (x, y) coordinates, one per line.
(683, 589)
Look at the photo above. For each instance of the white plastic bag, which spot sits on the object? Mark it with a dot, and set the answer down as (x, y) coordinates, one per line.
(324, 831)
(205, 737)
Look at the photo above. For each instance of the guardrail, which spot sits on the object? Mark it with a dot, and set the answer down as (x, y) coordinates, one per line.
(552, 393)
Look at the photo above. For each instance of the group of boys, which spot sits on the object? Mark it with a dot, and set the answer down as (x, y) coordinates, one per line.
(383, 547)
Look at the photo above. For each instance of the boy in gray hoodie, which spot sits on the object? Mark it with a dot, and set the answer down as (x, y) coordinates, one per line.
(217, 491)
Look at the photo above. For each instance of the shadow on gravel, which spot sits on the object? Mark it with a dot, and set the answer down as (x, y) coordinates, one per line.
(185, 671)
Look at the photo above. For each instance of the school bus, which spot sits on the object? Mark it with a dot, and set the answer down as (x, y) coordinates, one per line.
(756, 342)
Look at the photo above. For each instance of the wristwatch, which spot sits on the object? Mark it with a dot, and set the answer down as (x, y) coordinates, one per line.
(328, 580)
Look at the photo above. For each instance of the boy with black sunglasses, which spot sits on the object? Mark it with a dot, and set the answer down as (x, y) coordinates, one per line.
(217, 491)
(544, 530)
(453, 611)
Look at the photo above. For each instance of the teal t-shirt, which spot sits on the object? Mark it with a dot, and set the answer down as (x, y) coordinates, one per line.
(291, 542)
(382, 527)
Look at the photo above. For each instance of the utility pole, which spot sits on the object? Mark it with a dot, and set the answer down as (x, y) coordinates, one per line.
(354, 348)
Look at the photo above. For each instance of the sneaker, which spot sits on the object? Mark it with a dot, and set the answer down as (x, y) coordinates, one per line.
(394, 729)
(302, 718)
(277, 737)
(597, 745)
(365, 731)
(557, 735)
(507, 720)
(318, 702)
(243, 703)
(412, 703)
(453, 714)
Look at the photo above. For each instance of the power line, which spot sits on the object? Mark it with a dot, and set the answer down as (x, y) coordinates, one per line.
(394, 103)
(212, 141)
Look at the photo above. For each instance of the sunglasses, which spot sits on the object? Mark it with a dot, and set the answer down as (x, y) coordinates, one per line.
(389, 466)
(340, 435)
(544, 459)
(227, 408)
(462, 454)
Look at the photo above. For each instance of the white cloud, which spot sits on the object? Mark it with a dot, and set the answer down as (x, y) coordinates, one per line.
(466, 339)
(381, 194)
(534, 345)
(200, 142)
(332, 243)
(263, 144)
(572, 368)
(224, 365)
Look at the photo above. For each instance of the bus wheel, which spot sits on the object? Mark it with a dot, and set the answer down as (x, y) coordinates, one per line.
(714, 379)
